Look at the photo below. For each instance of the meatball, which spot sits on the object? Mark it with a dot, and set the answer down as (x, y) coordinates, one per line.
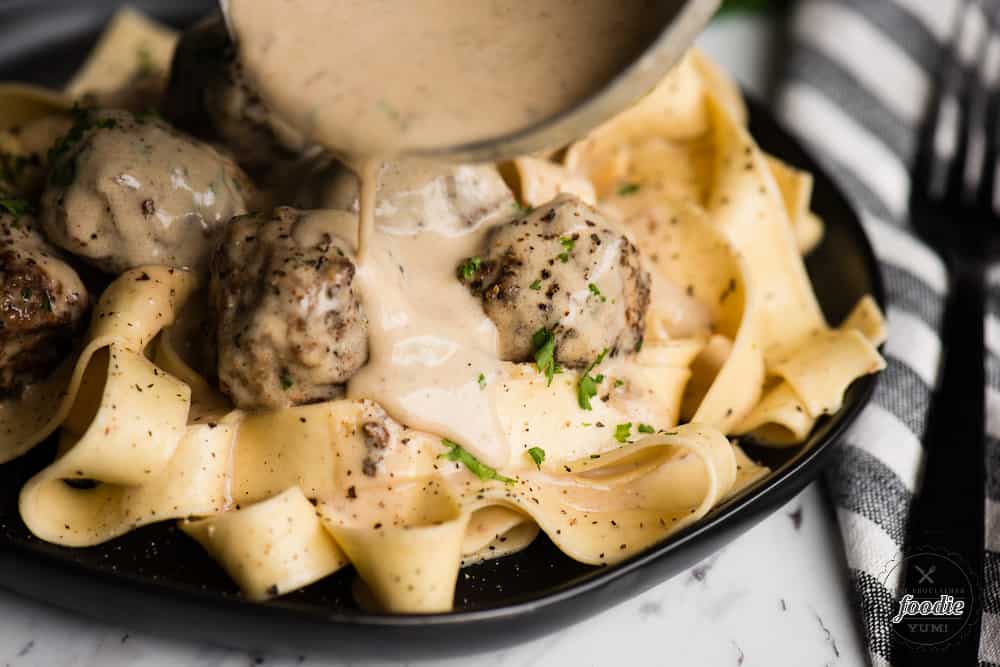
(562, 268)
(290, 329)
(128, 190)
(42, 301)
(208, 96)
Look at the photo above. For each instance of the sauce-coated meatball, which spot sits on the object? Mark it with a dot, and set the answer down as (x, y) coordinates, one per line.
(290, 329)
(42, 304)
(563, 268)
(127, 190)
(208, 96)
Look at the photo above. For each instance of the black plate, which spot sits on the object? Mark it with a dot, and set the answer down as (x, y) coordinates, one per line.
(156, 579)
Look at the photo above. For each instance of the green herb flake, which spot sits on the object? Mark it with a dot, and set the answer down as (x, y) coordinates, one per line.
(16, 207)
(586, 389)
(469, 268)
(537, 285)
(46, 301)
(646, 428)
(286, 379)
(522, 209)
(26, 293)
(619, 383)
(628, 189)
(62, 174)
(390, 111)
(482, 380)
(567, 244)
(147, 66)
(623, 431)
(596, 291)
(480, 470)
(537, 455)
(544, 344)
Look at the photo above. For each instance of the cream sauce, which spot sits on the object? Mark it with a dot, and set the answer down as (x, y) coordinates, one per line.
(374, 79)
(378, 77)
(429, 339)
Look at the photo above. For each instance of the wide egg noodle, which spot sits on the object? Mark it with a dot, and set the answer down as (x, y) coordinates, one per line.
(666, 131)
(535, 181)
(690, 252)
(625, 500)
(536, 413)
(126, 446)
(746, 205)
(494, 532)
(22, 103)
(131, 46)
(818, 363)
(127, 317)
(796, 187)
(813, 381)
(409, 552)
(272, 547)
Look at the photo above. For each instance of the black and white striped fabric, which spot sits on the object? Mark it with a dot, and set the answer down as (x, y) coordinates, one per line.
(854, 87)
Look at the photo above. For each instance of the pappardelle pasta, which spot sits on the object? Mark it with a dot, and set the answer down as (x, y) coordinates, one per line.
(613, 316)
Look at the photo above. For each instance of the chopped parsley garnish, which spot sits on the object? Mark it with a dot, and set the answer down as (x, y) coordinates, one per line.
(46, 301)
(26, 293)
(567, 244)
(389, 110)
(627, 189)
(544, 344)
(521, 208)
(482, 380)
(587, 388)
(622, 432)
(12, 166)
(646, 428)
(537, 455)
(286, 380)
(619, 383)
(480, 470)
(106, 124)
(596, 291)
(16, 207)
(537, 285)
(146, 64)
(64, 173)
(469, 268)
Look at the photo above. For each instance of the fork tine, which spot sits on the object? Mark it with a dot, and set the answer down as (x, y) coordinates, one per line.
(975, 178)
(966, 102)
(987, 194)
(930, 166)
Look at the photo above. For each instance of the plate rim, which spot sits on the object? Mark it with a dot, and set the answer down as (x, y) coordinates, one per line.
(751, 505)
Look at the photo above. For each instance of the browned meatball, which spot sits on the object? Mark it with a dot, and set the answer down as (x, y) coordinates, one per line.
(128, 190)
(562, 268)
(290, 329)
(209, 96)
(42, 302)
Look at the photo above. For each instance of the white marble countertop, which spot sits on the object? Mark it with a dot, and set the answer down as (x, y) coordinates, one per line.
(778, 596)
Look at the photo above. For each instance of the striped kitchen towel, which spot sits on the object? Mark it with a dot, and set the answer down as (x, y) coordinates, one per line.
(854, 87)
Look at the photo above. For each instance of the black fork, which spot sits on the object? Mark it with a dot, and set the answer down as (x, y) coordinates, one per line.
(951, 205)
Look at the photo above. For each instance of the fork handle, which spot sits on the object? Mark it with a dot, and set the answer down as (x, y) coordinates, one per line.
(948, 513)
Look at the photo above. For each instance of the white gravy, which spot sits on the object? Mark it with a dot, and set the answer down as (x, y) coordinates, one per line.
(373, 79)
